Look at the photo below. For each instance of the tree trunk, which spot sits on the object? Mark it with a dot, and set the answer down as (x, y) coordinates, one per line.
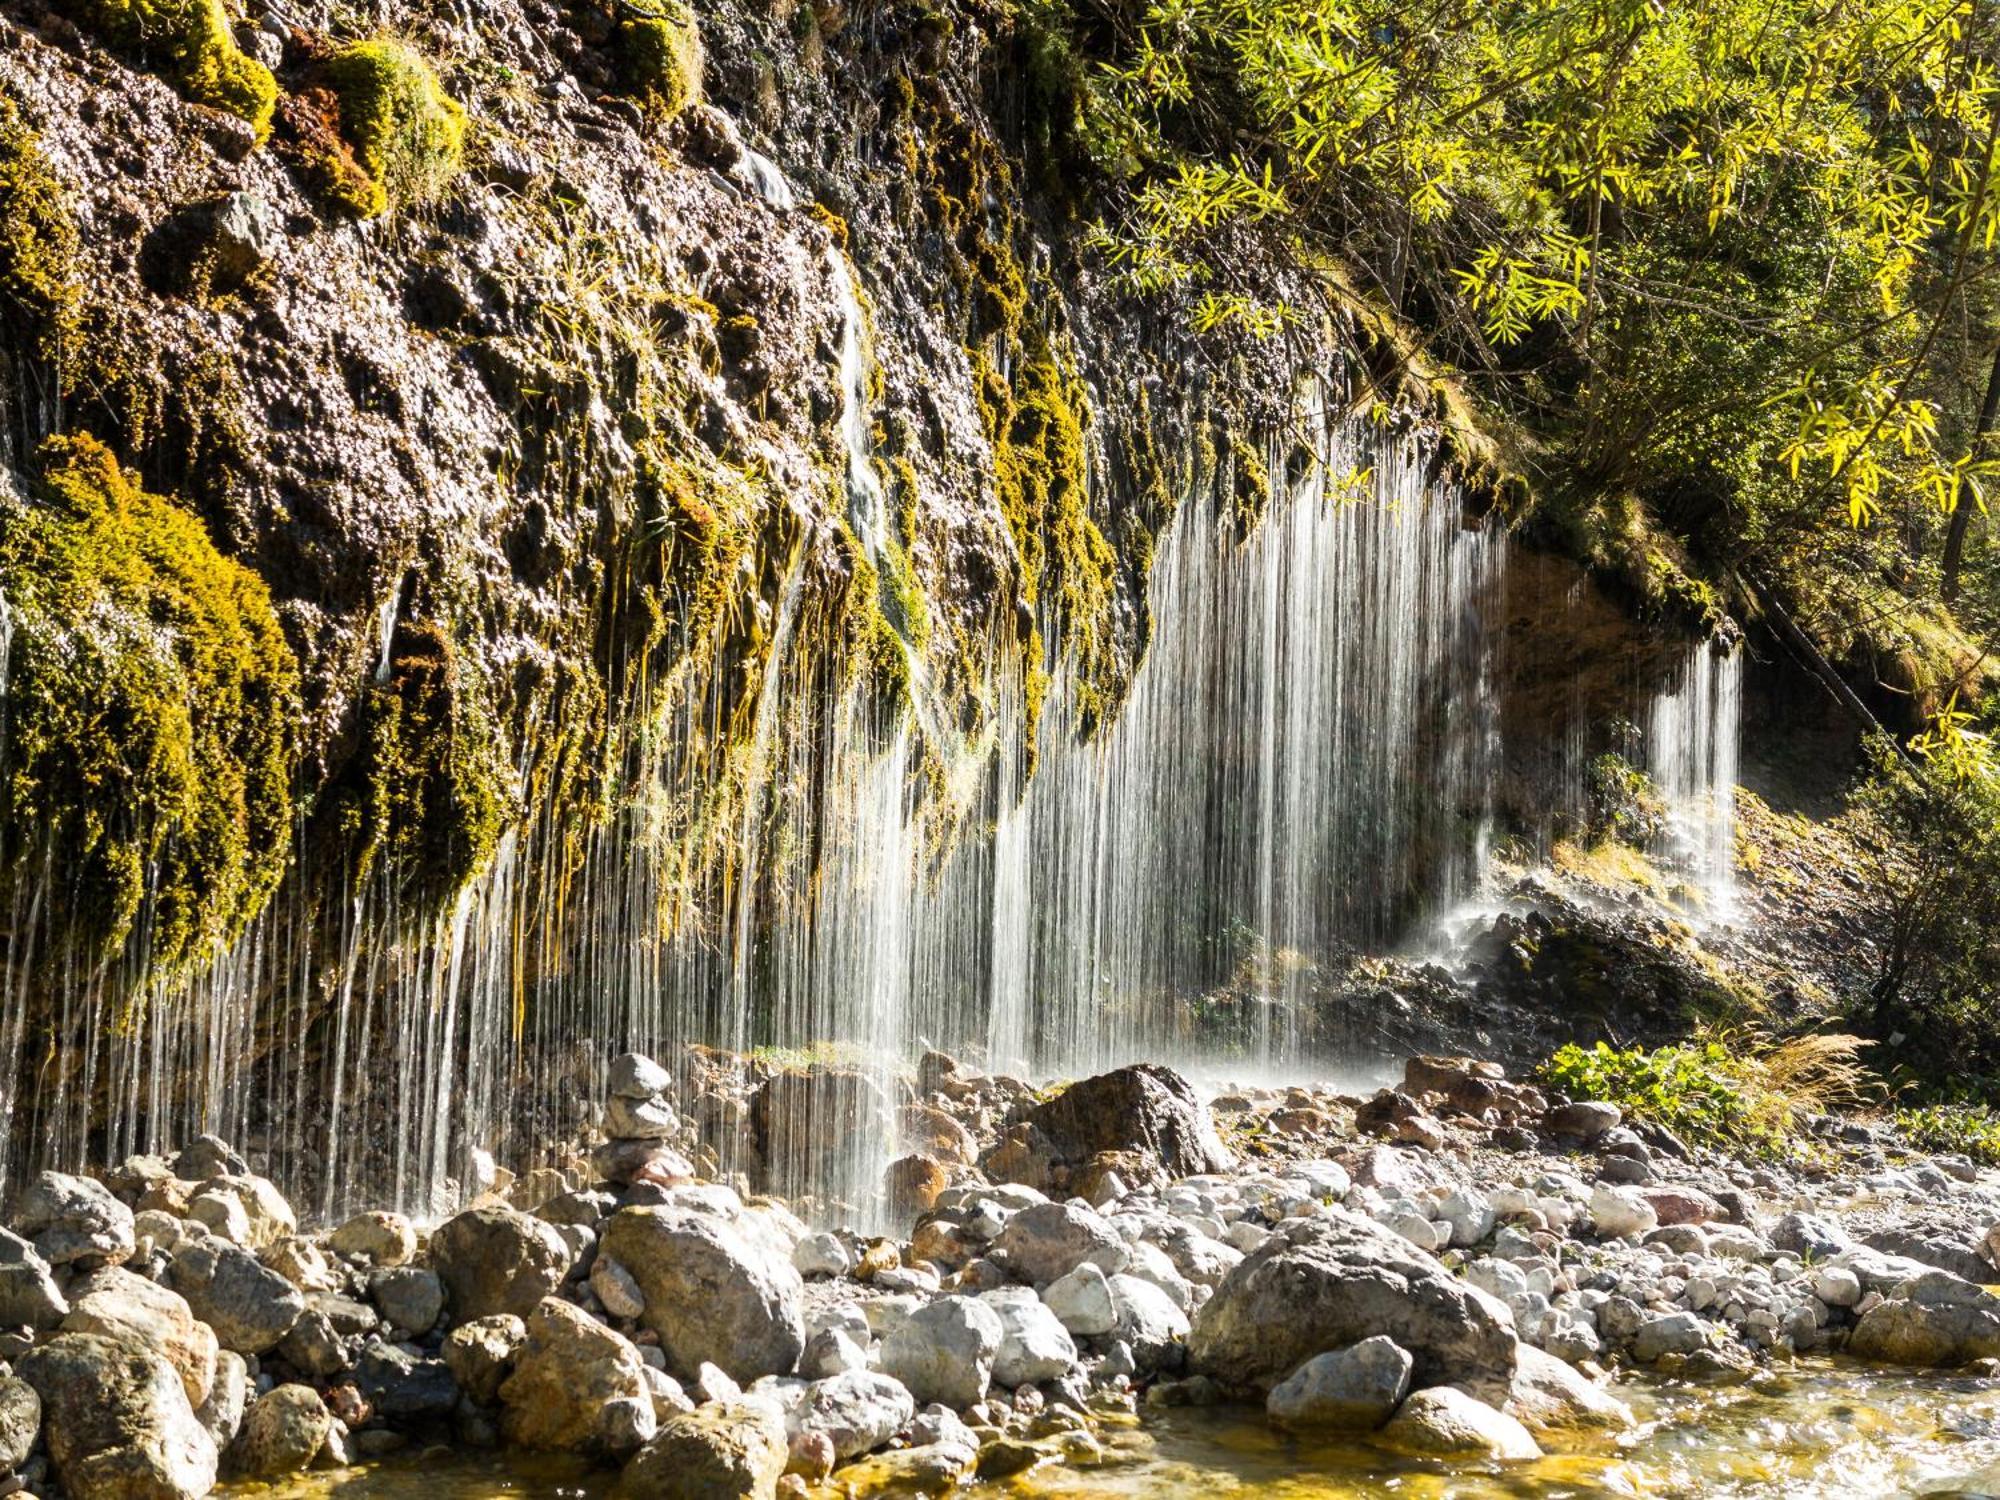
(1961, 513)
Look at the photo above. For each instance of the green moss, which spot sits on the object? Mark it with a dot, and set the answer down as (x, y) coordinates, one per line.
(191, 42)
(426, 799)
(39, 289)
(659, 61)
(407, 133)
(152, 717)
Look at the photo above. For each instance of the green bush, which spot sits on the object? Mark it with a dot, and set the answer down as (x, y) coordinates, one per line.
(1971, 1129)
(192, 41)
(407, 133)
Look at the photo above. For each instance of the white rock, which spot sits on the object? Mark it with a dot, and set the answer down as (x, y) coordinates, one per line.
(822, 1255)
(944, 1352)
(1082, 1302)
(1620, 1213)
(1034, 1345)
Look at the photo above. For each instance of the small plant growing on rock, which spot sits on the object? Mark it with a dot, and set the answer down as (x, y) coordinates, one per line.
(407, 134)
(192, 42)
(39, 290)
(660, 61)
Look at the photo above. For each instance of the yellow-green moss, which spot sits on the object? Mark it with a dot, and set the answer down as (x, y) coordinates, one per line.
(407, 133)
(659, 61)
(192, 44)
(151, 716)
(39, 288)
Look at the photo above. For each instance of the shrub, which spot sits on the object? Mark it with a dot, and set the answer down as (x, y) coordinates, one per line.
(1731, 1089)
(192, 41)
(151, 717)
(407, 133)
(1971, 1129)
(660, 62)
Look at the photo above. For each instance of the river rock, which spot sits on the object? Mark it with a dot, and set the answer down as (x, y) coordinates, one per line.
(497, 1260)
(1586, 1120)
(252, 1206)
(117, 1421)
(712, 1293)
(1547, 1395)
(636, 1076)
(481, 1354)
(385, 1239)
(1669, 1333)
(1446, 1421)
(830, 1352)
(1808, 1235)
(1149, 1322)
(1957, 1248)
(857, 1412)
(1049, 1240)
(1620, 1213)
(1148, 1109)
(1326, 1282)
(1082, 1302)
(74, 1221)
(641, 1119)
(283, 1432)
(209, 1156)
(250, 1306)
(1936, 1319)
(1356, 1388)
(944, 1351)
(731, 1450)
(615, 1288)
(299, 1260)
(313, 1346)
(1034, 1345)
(408, 1297)
(221, 1416)
(116, 1304)
(577, 1386)
(20, 1421)
(29, 1296)
(404, 1385)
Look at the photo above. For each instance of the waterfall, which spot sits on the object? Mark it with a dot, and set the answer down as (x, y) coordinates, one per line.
(1691, 753)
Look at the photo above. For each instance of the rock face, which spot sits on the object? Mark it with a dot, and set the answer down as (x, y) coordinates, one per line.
(250, 1306)
(1334, 1281)
(1147, 1109)
(118, 1422)
(118, 1305)
(576, 1385)
(1353, 1389)
(731, 1450)
(494, 1260)
(711, 1293)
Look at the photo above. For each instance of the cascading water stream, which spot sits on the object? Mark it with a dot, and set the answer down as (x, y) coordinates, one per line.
(1691, 754)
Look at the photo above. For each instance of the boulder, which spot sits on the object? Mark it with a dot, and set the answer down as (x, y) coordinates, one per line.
(384, 1239)
(730, 1450)
(1049, 1240)
(250, 1306)
(408, 1297)
(944, 1351)
(1586, 1120)
(641, 1119)
(857, 1412)
(20, 1421)
(1147, 1109)
(1353, 1389)
(1547, 1395)
(282, 1433)
(1956, 1248)
(576, 1386)
(403, 1385)
(1149, 1321)
(29, 1296)
(1808, 1235)
(221, 1416)
(804, 1121)
(481, 1354)
(616, 1289)
(1669, 1333)
(116, 1304)
(636, 1076)
(1034, 1345)
(74, 1221)
(1326, 1282)
(265, 1216)
(1936, 1319)
(496, 1260)
(1620, 1213)
(1082, 1302)
(1447, 1422)
(208, 1156)
(117, 1421)
(712, 1293)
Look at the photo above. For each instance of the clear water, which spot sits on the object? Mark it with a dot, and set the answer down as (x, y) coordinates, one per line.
(1823, 1431)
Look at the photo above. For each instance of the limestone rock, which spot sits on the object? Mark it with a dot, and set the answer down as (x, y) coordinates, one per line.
(1935, 1320)
(944, 1351)
(496, 1260)
(1049, 1240)
(481, 1354)
(119, 1305)
(1082, 1302)
(635, 1076)
(712, 1293)
(208, 1156)
(858, 1411)
(1326, 1282)
(728, 1451)
(265, 1215)
(577, 1386)
(408, 1297)
(29, 1296)
(117, 1421)
(20, 1421)
(386, 1239)
(1147, 1109)
(1034, 1345)
(74, 1221)
(221, 1416)
(250, 1306)
(283, 1432)
(1444, 1420)
(1356, 1388)
(1547, 1395)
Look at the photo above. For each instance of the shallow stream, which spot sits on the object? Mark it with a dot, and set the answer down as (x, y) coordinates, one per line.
(1821, 1430)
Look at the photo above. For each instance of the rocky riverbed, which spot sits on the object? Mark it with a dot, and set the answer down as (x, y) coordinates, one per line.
(1460, 1275)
